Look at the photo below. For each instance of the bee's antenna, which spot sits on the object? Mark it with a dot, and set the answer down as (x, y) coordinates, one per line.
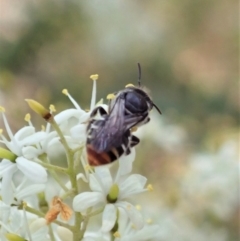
(139, 74)
(157, 108)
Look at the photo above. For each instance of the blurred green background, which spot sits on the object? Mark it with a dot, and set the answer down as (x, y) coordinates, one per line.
(188, 51)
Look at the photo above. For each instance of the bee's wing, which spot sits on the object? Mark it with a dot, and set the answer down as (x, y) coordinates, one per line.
(109, 133)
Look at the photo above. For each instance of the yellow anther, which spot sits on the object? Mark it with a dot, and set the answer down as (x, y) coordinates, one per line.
(27, 117)
(149, 221)
(138, 207)
(129, 85)
(88, 168)
(110, 96)
(129, 207)
(52, 108)
(1, 131)
(24, 204)
(43, 128)
(117, 235)
(65, 91)
(133, 129)
(150, 187)
(133, 226)
(2, 109)
(94, 76)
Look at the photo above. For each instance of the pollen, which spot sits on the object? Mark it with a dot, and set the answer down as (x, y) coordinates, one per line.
(43, 128)
(110, 96)
(2, 109)
(65, 91)
(138, 207)
(27, 117)
(150, 187)
(129, 85)
(133, 129)
(149, 221)
(117, 235)
(94, 76)
(52, 108)
(129, 207)
(133, 226)
(1, 131)
(88, 168)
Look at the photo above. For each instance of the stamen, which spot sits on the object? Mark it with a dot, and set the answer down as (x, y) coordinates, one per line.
(76, 105)
(149, 187)
(138, 207)
(129, 85)
(94, 93)
(52, 108)
(27, 117)
(94, 76)
(117, 235)
(110, 96)
(149, 221)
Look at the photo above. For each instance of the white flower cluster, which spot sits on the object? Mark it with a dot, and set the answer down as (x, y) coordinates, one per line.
(26, 172)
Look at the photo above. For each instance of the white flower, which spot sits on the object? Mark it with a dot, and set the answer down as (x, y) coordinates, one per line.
(112, 194)
(31, 170)
(13, 221)
(73, 121)
(127, 231)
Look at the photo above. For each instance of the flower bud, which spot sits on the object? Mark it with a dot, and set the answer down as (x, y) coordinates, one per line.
(4, 153)
(39, 109)
(64, 234)
(14, 237)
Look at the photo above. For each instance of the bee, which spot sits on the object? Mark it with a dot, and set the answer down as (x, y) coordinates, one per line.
(109, 136)
(109, 133)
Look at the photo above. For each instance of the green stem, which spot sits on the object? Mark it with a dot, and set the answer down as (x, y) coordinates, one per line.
(54, 174)
(51, 233)
(85, 222)
(56, 168)
(41, 214)
(73, 179)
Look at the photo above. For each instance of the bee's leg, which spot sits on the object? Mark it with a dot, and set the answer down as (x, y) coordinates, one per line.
(98, 110)
(134, 141)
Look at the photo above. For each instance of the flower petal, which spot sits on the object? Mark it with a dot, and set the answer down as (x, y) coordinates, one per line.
(109, 218)
(133, 184)
(33, 171)
(30, 190)
(6, 166)
(105, 177)
(134, 215)
(34, 138)
(79, 132)
(30, 152)
(6, 188)
(24, 132)
(64, 234)
(125, 162)
(87, 199)
(67, 114)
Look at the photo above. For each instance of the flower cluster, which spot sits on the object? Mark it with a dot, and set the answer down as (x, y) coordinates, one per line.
(28, 211)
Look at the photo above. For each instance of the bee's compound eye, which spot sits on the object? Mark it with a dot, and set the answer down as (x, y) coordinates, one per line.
(135, 103)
